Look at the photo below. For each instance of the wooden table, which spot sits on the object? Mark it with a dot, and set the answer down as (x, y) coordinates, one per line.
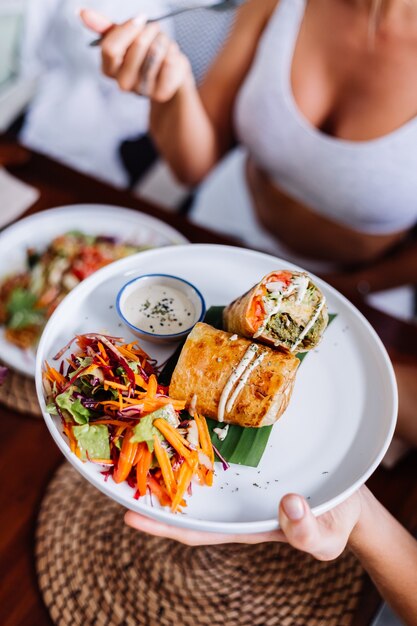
(28, 455)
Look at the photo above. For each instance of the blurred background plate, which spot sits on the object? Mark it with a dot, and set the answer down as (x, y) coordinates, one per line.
(333, 435)
(38, 230)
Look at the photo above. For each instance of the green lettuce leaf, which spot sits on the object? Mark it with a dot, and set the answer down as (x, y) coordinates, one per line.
(93, 441)
(22, 311)
(145, 430)
(75, 408)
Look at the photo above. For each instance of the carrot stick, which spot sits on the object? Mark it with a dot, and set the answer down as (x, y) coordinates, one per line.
(178, 442)
(158, 490)
(204, 436)
(185, 476)
(127, 353)
(103, 352)
(152, 387)
(160, 401)
(166, 467)
(142, 468)
(140, 381)
(54, 375)
(113, 385)
(112, 423)
(126, 458)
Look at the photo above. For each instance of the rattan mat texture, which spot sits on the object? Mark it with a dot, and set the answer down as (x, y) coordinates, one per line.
(94, 570)
(18, 392)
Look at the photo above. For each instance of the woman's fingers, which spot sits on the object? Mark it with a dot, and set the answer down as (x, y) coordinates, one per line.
(326, 536)
(298, 523)
(95, 21)
(194, 537)
(116, 43)
(152, 64)
(128, 75)
(170, 73)
(139, 56)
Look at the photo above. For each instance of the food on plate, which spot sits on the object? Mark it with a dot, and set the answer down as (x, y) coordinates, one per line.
(285, 309)
(233, 380)
(115, 413)
(28, 298)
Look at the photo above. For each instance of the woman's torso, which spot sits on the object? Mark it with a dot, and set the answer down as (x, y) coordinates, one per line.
(345, 155)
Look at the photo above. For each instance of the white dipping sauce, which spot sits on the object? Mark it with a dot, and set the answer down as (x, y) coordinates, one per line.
(159, 309)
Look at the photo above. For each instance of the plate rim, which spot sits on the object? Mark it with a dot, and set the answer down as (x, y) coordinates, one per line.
(184, 521)
(69, 209)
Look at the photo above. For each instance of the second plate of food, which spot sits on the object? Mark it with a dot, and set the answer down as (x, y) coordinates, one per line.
(335, 431)
(42, 257)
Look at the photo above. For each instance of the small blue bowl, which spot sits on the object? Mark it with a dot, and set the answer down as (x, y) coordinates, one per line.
(159, 307)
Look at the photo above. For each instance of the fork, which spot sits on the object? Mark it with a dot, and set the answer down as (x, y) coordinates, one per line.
(224, 5)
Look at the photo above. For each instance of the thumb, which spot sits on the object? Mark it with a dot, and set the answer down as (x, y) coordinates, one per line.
(298, 523)
(95, 21)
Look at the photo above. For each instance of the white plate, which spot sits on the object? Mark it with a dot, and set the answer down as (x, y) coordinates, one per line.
(38, 230)
(331, 438)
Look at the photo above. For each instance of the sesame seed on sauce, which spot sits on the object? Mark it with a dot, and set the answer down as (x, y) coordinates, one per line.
(159, 310)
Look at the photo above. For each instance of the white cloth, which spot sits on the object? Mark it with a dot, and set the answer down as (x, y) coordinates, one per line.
(15, 197)
(78, 115)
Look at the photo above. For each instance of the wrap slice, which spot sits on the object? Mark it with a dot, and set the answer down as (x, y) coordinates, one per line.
(231, 379)
(285, 309)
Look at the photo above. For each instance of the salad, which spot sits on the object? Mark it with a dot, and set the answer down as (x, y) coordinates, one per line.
(115, 413)
(28, 298)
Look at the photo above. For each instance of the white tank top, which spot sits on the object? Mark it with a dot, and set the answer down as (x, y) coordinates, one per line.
(370, 186)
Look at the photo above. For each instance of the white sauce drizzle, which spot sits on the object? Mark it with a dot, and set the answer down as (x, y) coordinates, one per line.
(243, 380)
(222, 432)
(301, 283)
(234, 377)
(310, 324)
(278, 291)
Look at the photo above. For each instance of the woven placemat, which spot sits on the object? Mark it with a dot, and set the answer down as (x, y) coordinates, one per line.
(94, 570)
(18, 392)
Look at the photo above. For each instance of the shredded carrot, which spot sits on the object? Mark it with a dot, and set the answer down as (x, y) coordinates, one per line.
(127, 353)
(143, 465)
(103, 352)
(134, 461)
(152, 387)
(126, 458)
(113, 385)
(160, 401)
(134, 401)
(178, 442)
(158, 490)
(112, 423)
(185, 476)
(165, 465)
(140, 381)
(54, 375)
(73, 442)
(204, 436)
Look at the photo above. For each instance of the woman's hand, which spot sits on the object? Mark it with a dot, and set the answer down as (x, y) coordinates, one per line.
(140, 57)
(324, 537)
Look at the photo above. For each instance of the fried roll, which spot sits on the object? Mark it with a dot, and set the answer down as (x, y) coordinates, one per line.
(285, 309)
(233, 380)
